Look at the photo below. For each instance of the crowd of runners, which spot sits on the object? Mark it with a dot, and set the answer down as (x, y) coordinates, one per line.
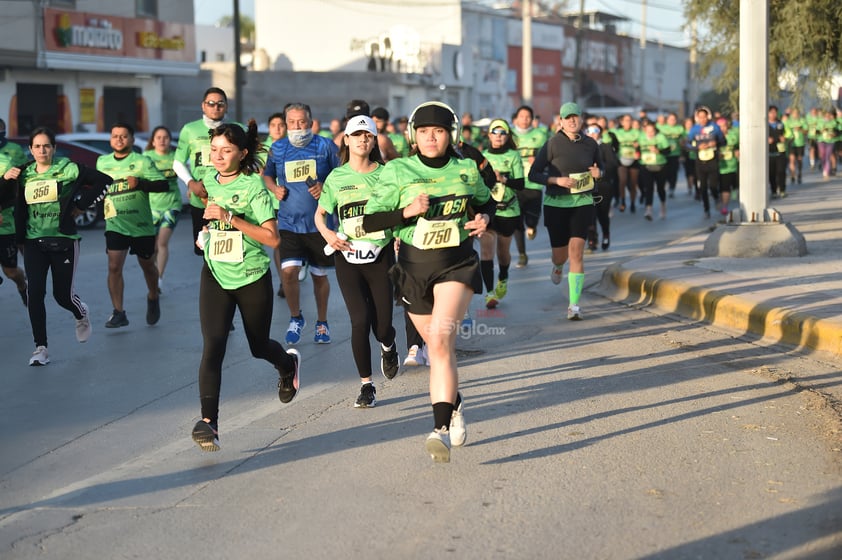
(417, 211)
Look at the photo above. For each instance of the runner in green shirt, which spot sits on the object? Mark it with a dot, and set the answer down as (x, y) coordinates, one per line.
(528, 141)
(277, 130)
(728, 164)
(654, 147)
(11, 155)
(48, 192)
(508, 167)
(629, 170)
(795, 133)
(128, 221)
(425, 199)
(236, 271)
(166, 207)
(192, 156)
(363, 258)
(675, 133)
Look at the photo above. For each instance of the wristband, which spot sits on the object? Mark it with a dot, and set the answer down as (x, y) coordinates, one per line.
(230, 217)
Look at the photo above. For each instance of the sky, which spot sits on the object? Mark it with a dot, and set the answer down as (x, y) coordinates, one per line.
(663, 17)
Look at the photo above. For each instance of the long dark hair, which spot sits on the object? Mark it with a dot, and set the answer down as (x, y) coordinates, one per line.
(374, 155)
(149, 144)
(244, 140)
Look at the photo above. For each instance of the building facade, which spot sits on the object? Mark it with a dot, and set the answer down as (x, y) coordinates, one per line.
(84, 64)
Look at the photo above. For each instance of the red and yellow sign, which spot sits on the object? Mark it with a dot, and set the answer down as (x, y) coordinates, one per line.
(86, 33)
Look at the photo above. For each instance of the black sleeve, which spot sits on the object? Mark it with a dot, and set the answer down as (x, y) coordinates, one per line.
(538, 172)
(516, 184)
(93, 184)
(384, 220)
(7, 192)
(488, 207)
(485, 169)
(161, 185)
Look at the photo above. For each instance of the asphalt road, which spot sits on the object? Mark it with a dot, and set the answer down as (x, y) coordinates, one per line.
(627, 435)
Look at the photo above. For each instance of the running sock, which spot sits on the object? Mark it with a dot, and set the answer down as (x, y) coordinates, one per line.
(442, 411)
(486, 269)
(575, 283)
(504, 272)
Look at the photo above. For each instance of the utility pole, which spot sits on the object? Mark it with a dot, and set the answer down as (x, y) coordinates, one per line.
(238, 69)
(693, 92)
(578, 86)
(642, 73)
(526, 53)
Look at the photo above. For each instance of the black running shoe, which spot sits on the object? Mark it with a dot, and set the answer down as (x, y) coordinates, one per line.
(389, 361)
(117, 319)
(288, 383)
(367, 398)
(153, 311)
(206, 435)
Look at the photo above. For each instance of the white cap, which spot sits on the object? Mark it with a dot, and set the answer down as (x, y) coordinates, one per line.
(358, 123)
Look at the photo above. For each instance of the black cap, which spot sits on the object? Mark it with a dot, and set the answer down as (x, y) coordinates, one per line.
(357, 107)
(433, 115)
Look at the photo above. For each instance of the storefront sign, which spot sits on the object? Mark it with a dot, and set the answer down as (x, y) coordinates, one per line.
(97, 34)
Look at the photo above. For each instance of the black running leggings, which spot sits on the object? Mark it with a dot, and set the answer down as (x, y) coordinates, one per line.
(367, 291)
(216, 311)
(707, 177)
(38, 261)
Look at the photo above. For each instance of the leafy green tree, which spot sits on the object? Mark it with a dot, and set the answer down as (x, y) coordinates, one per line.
(246, 26)
(805, 44)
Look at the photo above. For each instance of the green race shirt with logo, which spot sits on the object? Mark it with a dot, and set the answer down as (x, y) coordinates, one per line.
(11, 155)
(346, 192)
(127, 210)
(45, 195)
(451, 190)
(627, 139)
(528, 145)
(728, 161)
(194, 150)
(675, 134)
(170, 200)
(234, 258)
(647, 156)
(508, 163)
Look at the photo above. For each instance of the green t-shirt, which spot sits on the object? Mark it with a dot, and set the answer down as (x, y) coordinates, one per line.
(528, 145)
(348, 192)
(795, 132)
(627, 139)
(451, 189)
(45, 193)
(170, 200)
(811, 121)
(675, 134)
(649, 157)
(11, 155)
(401, 145)
(234, 258)
(826, 130)
(728, 161)
(508, 163)
(127, 210)
(194, 151)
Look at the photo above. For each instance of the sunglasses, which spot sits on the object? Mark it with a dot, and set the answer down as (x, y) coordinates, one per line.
(593, 130)
(213, 104)
(499, 132)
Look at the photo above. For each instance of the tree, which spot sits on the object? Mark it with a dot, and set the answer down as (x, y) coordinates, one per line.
(805, 45)
(246, 27)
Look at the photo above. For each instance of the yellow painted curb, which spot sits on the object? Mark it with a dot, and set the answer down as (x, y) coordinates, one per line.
(719, 308)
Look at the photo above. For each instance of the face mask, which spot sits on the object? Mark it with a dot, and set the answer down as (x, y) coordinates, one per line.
(300, 138)
(210, 123)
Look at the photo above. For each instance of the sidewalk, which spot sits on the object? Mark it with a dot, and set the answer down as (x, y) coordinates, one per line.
(795, 301)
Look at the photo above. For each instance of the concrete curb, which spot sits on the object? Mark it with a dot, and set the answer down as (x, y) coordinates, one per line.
(763, 318)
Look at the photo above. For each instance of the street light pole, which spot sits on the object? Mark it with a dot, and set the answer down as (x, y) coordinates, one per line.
(526, 53)
(238, 69)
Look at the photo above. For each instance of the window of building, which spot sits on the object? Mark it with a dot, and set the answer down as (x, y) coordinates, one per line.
(147, 8)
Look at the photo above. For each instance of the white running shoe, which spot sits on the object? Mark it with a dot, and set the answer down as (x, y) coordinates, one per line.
(413, 357)
(458, 434)
(555, 275)
(438, 445)
(83, 325)
(39, 357)
(574, 313)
